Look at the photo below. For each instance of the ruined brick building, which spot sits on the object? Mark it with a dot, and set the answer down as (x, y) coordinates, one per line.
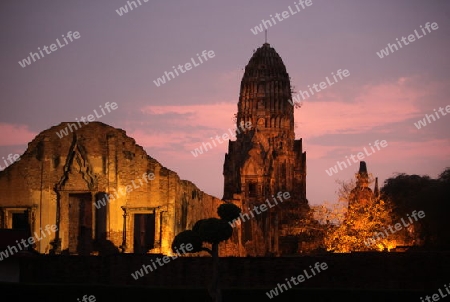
(267, 159)
(103, 192)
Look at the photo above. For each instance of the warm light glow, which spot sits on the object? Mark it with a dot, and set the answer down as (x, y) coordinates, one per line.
(380, 247)
(391, 245)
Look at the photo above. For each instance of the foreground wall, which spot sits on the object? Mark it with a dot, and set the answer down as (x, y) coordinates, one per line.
(393, 271)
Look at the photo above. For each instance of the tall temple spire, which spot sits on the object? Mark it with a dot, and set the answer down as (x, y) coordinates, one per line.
(267, 159)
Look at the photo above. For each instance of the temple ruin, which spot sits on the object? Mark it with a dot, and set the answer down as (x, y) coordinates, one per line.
(101, 190)
(105, 194)
(267, 159)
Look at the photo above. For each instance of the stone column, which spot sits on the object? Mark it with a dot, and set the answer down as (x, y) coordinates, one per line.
(123, 247)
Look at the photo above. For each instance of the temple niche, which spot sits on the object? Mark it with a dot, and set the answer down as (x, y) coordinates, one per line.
(267, 159)
(102, 190)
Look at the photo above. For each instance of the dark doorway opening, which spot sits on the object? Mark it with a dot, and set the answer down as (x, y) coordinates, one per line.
(252, 190)
(102, 244)
(144, 232)
(247, 231)
(80, 223)
(20, 221)
(100, 216)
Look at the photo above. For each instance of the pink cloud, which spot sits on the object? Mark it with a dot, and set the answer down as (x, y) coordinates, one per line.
(375, 105)
(208, 121)
(437, 149)
(214, 116)
(15, 134)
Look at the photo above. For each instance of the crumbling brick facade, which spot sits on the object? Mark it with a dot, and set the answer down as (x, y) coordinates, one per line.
(103, 192)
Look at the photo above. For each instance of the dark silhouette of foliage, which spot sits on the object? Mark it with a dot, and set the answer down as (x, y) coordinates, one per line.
(414, 192)
(211, 231)
(228, 211)
(185, 238)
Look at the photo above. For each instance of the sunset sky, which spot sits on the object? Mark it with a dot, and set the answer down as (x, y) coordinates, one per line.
(118, 58)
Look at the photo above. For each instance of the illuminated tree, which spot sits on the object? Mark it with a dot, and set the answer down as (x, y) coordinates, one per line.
(211, 231)
(353, 223)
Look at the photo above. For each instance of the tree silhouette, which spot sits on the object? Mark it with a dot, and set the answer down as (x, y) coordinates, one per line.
(212, 231)
(421, 192)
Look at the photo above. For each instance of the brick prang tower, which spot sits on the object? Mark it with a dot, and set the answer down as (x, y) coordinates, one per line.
(266, 159)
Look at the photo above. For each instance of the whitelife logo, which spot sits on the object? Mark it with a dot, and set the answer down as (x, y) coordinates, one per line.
(428, 117)
(280, 17)
(33, 55)
(161, 261)
(11, 250)
(243, 217)
(437, 296)
(12, 159)
(107, 198)
(124, 9)
(187, 66)
(397, 226)
(411, 38)
(225, 136)
(318, 268)
(85, 298)
(315, 87)
(342, 165)
(90, 118)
